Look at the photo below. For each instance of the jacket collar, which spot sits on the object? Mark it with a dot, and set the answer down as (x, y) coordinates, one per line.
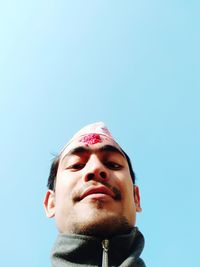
(81, 250)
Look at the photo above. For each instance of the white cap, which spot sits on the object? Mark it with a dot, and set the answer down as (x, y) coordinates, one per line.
(91, 134)
(94, 128)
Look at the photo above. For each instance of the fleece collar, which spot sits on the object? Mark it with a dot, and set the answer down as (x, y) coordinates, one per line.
(81, 250)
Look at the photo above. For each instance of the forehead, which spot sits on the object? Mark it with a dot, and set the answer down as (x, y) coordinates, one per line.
(91, 144)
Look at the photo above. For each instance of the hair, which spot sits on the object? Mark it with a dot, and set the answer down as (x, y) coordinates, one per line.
(54, 168)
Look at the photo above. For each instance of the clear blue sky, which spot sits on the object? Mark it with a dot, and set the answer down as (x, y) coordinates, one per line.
(132, 64)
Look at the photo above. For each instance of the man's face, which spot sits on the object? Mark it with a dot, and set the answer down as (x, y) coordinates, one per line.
(94, 192)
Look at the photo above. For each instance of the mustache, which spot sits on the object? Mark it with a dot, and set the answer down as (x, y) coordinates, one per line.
(76, 195)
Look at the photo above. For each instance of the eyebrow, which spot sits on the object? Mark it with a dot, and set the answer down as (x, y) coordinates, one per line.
(81, 150)
(109, 148)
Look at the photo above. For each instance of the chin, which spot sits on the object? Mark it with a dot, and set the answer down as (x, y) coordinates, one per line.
(102, 225)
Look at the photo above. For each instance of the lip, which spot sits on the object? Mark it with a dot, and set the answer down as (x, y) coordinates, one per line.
(97, 191)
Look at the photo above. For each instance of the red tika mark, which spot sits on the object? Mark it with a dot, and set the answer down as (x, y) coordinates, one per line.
(91, 139)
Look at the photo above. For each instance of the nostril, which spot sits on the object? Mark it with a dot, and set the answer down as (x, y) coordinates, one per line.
(103, 175)
(91, 176)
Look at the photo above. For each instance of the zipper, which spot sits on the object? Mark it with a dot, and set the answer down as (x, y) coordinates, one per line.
(105, 246)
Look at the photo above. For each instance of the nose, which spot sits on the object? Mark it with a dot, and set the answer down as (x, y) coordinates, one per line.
(96, 170)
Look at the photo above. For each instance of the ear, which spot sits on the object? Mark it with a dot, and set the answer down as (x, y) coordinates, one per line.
(49, 203)
(136, 193)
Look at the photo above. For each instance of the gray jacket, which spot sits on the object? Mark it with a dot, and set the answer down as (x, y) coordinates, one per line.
(87, 251)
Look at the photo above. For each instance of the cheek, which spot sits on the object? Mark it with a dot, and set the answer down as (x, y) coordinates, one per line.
(64, 187)
(127, 194)
(126, 183)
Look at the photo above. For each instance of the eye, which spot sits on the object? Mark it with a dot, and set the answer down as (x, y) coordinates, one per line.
(113, 165)
(76, 167)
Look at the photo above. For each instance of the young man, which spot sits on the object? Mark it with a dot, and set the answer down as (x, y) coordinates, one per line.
(94, 199)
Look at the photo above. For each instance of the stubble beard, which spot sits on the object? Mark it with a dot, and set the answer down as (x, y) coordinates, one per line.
(97, 221)
(101, 223)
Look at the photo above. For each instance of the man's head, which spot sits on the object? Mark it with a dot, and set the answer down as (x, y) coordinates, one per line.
(92, 186)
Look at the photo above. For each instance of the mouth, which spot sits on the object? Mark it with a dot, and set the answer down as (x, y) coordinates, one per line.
(97, 192)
